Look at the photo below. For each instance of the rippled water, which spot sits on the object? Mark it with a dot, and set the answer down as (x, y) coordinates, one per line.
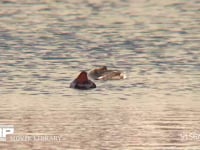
(45, 44)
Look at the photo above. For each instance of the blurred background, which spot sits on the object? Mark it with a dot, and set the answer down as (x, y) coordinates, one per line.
(44, 44)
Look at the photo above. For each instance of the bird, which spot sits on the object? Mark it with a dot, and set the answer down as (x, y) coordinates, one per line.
(82, 82)
(103, 73)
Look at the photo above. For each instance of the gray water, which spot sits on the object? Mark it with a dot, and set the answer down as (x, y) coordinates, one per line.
(44, 44)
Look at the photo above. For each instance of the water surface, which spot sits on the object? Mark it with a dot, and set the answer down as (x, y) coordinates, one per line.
(45, 44)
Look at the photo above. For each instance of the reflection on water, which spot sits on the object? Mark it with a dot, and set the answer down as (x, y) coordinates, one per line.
(44, 45)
